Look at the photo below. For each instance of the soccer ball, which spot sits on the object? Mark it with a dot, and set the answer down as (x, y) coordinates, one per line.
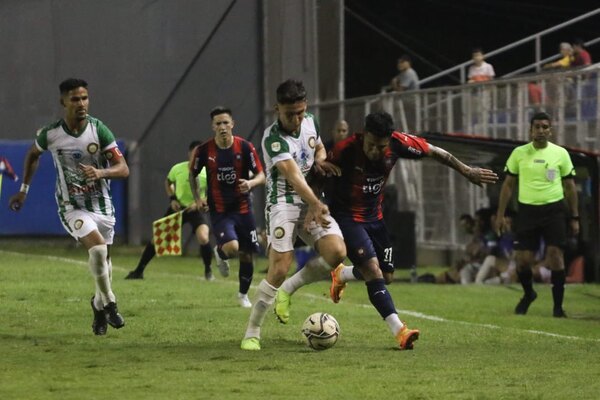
(321, 331)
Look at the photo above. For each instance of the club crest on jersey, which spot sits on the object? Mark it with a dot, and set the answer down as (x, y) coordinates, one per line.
(275, 146)
(311, 142)
(279, 232)
(92, 148)
(78, 224)
(109, 155)
(360, 251)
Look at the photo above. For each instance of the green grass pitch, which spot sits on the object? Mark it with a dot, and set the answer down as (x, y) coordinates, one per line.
(182, 336)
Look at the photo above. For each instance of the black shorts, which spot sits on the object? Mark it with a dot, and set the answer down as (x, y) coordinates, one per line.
(194, 218)
(548, 221)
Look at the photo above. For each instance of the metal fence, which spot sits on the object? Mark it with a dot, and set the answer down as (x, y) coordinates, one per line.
(496, 109)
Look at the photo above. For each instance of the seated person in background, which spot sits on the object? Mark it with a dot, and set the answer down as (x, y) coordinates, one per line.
(499, 266)
(473, 253)
(481, 245)
(581, 56)
(566, 51)
(407, 79)
(480, 71)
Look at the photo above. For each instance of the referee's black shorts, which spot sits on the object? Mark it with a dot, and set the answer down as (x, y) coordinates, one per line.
(547, 221)
(194, 218)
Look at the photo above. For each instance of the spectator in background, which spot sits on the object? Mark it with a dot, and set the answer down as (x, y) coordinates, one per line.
(339, 133)
(6, 169)
(407, 79)
(581, 56)
(480, 71)
(566, 50)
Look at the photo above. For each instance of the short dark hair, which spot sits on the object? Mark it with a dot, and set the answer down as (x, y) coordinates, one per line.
(220, 110)
(578, 42)
(404, 57)
(538, 116)
(72, 83)
(379, 124)
(290, 92)
(194, 144)
(477, 50)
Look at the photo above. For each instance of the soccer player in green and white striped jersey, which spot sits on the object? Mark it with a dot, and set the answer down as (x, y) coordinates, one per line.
(85, 156)
(292, 147)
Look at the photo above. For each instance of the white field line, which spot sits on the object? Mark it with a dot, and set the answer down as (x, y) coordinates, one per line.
(415, 314)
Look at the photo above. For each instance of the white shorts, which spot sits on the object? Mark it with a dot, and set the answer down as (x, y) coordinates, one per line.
(80, 223)
(286, 221)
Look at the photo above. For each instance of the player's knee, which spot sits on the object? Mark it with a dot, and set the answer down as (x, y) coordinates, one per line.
(98, 255)
(245, 257)
(231, 248)
(335, 252)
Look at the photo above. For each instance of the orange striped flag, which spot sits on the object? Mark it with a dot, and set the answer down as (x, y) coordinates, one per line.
(166, 234)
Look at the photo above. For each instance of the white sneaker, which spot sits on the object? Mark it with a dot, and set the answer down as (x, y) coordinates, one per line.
(222, 264)
(244, 300)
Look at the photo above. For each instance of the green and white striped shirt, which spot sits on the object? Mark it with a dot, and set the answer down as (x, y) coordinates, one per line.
(68, 149)
(278, 145)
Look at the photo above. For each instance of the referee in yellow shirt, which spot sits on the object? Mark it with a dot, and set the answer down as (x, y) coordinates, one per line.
(545, 176)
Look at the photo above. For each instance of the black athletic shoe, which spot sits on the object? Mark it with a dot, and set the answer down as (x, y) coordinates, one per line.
(559, 313)
(135, 275)
(112, 316)
(524, 303)
(99, 325)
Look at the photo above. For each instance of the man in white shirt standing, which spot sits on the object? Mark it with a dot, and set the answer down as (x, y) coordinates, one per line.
(480, 71)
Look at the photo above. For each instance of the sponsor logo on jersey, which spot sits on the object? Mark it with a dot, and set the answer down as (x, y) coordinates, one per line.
(78, 224)
(276, 146)
(226, 175)
(279, 232)
(311, 142)
(77, 155)
(92, 148)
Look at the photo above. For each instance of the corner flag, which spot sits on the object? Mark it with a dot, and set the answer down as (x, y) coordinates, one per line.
(166, 233)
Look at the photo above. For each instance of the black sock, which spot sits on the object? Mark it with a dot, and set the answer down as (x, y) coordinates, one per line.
(222, 254)
(147, 255)
(526, 279)
(380, 297)
(245, 276)
(207, 255)
(558, 288)
(357, 274)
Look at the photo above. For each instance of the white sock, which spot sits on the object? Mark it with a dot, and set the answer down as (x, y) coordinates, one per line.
(265, 297)
(394, 323)
(99, 269)
(109, 263)
(314, 270)
(346, 274)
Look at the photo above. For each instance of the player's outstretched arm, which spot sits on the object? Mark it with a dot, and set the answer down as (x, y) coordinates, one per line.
(32, 160)
(475, 175)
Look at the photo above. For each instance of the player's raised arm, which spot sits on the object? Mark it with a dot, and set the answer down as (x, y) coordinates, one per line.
(32, 160)
(475, 175)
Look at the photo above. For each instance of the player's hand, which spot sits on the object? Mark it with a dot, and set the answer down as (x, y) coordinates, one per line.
(325, 168)
(317, 213)
(245, 185)
(92, 173)
(479, 176)
(16, 201)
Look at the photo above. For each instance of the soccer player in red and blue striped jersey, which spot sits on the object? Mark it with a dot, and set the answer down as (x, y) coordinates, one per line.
(229, 160)
(356, 197)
